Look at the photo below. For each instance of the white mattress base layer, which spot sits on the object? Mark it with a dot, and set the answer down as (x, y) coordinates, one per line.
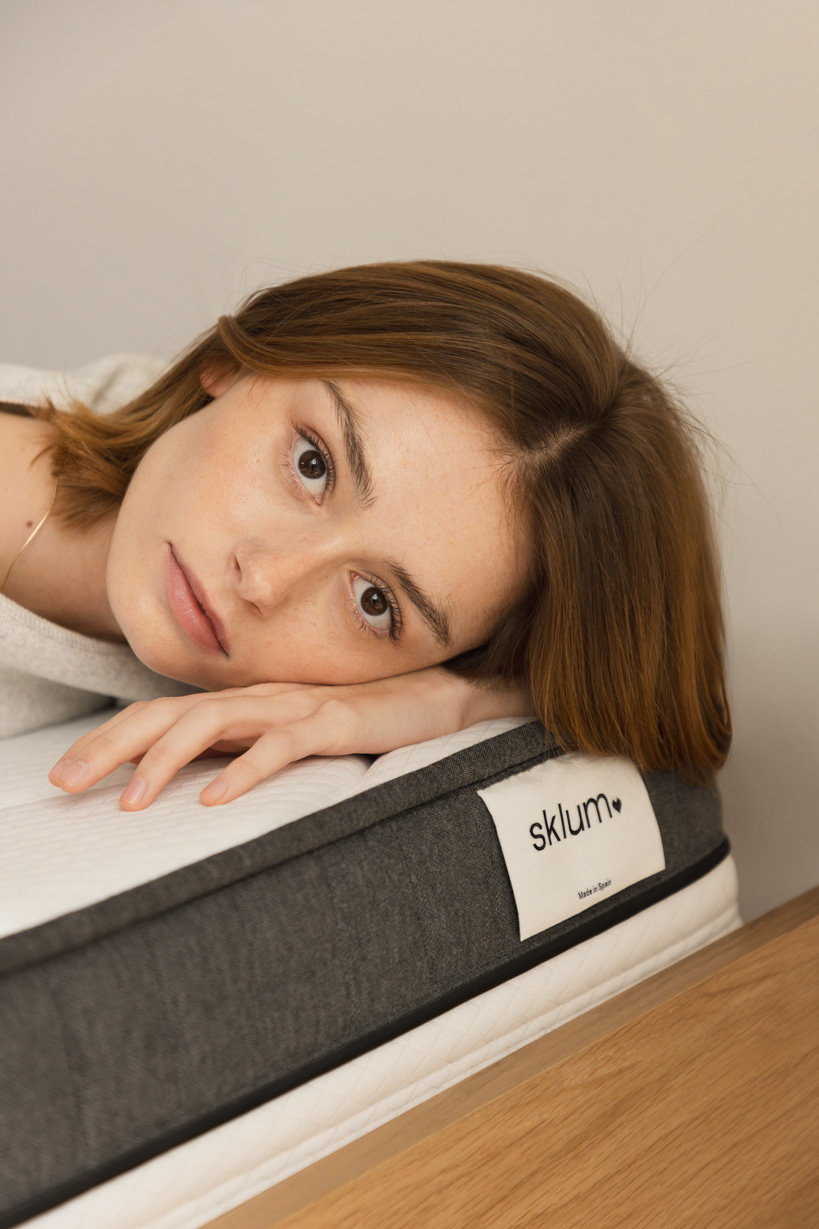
(194, 1183)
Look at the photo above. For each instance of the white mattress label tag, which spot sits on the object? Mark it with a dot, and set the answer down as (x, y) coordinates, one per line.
(573, 830)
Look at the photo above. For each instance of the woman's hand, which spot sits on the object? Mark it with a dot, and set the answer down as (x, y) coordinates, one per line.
(273, 724)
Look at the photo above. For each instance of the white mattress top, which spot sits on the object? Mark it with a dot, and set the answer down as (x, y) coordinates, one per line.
(61, 852)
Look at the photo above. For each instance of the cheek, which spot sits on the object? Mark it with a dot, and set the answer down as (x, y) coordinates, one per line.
(227, 480)
(185, 484)
(129, 555)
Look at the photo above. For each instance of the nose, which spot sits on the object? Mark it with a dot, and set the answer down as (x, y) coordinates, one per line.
(270, 575)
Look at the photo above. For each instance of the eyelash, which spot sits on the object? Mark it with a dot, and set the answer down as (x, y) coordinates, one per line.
(396, 620)
(395, 613)
(306, 434)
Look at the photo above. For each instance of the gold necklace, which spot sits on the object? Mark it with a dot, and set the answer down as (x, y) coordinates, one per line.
(30, 538)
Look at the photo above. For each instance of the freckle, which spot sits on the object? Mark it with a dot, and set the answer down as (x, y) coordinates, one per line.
(29, 524)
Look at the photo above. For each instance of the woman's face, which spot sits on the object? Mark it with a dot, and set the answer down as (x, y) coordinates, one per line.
(333, 532)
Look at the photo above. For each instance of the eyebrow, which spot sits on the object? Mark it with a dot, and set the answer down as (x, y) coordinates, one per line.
(434, 616)
(349, 421)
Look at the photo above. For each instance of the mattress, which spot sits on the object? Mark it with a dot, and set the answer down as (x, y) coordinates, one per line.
(196, 1003)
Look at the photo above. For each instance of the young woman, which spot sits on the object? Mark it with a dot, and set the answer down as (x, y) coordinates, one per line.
(375, 506)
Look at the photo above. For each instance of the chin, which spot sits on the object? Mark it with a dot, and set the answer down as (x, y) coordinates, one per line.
(149, 636)
(155, 649)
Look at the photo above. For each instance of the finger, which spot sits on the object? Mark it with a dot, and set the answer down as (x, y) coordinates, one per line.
(124, 714)
(175, 705)
(212, 720)
(218, 751)
(225, 746)
(323, 732)
(125, 737)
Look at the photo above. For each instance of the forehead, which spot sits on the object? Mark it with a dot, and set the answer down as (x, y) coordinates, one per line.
(440, 497)
(424, 424)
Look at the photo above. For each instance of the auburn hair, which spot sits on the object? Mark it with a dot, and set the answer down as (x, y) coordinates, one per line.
(620, 636)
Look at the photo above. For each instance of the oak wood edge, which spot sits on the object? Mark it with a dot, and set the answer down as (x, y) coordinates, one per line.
(354, 1160)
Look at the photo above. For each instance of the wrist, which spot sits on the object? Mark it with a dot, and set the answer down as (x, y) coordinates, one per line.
(486, 700)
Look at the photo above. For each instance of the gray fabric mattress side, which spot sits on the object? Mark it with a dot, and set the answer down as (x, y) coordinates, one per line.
(141, 1021)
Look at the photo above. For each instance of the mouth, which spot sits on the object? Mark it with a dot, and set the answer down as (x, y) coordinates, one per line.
(191, 608)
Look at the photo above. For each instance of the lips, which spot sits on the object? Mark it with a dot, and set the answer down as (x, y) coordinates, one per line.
(190, 607)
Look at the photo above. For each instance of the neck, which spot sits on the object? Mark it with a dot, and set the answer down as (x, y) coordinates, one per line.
(65, 579)
(61, 574)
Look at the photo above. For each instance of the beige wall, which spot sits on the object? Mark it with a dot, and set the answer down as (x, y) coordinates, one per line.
(160, 160)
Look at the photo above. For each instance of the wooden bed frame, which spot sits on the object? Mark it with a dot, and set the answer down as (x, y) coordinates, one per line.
(690, 1100)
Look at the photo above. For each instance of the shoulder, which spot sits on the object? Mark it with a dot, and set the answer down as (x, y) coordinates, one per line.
(21, 439)
(103, 384)
(26, 482)
(110, 382)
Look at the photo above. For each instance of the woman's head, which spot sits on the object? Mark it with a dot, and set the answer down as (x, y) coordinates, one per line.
(583, 559)
(336, 531)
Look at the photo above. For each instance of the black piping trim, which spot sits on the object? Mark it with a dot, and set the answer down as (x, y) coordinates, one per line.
(548, 948)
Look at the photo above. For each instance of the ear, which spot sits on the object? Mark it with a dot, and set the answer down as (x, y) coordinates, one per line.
(216, 379)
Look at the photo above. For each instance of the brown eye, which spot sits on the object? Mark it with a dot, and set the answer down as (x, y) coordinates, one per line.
(311, 466)
(373, 604)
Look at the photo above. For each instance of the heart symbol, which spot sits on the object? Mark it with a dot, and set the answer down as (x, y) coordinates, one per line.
(616, 803)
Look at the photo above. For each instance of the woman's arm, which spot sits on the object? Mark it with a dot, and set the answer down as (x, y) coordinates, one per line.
(272, 724)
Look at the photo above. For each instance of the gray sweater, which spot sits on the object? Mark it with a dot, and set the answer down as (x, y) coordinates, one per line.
(47, 673)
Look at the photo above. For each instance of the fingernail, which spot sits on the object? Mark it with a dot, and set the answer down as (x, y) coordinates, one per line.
(216, 790)
(134, 791)
(72, 774)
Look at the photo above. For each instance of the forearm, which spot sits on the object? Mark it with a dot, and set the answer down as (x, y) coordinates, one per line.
(269, 725)
(485, 701)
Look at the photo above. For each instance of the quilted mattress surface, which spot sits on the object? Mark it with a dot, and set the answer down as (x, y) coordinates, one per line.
(164, 973)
